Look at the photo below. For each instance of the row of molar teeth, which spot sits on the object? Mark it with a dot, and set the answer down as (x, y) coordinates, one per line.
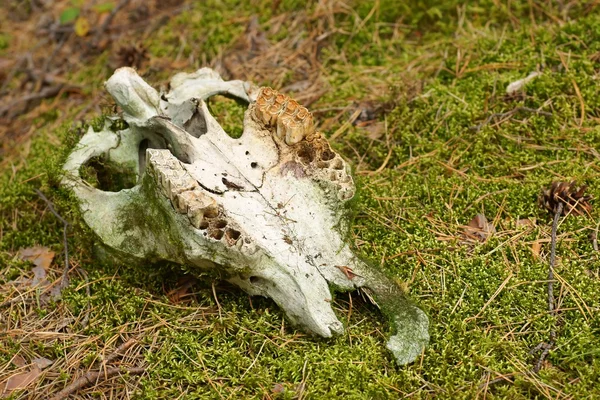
(293, 122)
(188, 199)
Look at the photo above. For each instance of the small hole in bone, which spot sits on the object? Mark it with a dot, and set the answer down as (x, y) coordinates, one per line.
(220, 224)
(346, 194)
(203, 224)
(247, 153)
(253, 164)
(306, 154)
(232, 234)
(337, 164)
(257, 280)
(218, 234)
(345, 179)
(229, 113)
(211, 212)
(332, 176)
(327, 155)
(322, 164)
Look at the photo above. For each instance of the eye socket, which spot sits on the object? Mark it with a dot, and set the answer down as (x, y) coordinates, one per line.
(101, 173)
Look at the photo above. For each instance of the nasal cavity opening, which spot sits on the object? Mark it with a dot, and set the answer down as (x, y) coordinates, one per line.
(229, 113)
(196, 125)
(101, 173)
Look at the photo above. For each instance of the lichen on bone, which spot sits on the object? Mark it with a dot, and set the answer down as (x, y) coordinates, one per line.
(265, 211)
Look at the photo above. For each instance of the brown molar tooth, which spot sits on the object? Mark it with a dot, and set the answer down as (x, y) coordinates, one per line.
(293, 122)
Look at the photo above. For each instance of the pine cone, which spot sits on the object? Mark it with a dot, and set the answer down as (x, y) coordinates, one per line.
(567, 193)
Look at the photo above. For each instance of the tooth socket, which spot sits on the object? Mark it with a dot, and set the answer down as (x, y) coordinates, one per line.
(196, 205)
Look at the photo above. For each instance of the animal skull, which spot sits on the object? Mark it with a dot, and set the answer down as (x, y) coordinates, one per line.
(265, 211)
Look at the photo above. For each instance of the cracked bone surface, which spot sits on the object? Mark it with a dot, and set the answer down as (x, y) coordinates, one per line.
(264, 211)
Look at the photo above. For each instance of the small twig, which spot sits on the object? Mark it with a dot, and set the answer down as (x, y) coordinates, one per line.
(501, 378)
(64, 280)
(93, 377)
(515, 110)
(120, 350)
(217, 301)
(19, 299)
(546, 347)
(42, 94)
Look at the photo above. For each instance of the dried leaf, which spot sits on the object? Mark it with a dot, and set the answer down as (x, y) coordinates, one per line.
(82, 26)
(346, 271)
(19, 361)
(42, 258)
(39, 255)
(479, 228)
(19, 381)
(129, 56)
(184, 284)
(42, 362)
(39, 276)
(374, 130)
(278, 388)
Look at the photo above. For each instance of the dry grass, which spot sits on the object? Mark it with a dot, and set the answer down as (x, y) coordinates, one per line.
(415, 99)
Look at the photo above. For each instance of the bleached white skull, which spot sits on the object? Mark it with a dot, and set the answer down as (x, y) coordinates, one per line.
(264, 211)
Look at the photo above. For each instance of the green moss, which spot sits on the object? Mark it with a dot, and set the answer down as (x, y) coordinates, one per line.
(229, 113)
(448, 66)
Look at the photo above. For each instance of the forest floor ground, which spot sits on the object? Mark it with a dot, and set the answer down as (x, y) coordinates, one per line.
(415, 98)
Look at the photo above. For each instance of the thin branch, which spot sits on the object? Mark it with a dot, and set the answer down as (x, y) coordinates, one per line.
(93, 378)
(50, 91)
(64, 280)
(546, 347)
(104, 374)
(120, 350)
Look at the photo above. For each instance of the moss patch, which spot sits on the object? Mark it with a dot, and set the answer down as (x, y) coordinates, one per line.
(453, 145)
